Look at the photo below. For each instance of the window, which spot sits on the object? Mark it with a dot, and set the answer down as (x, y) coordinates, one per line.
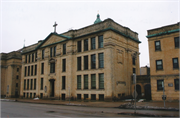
(16, 84)
(35, 70)
(134, 70)
(52, 67)
(31, 83)
(30, 95)
(79, 82)
(17, 77)
(159, 65)
(32, 70)
(93, 61)
(54, 51)
(157, 45)
(63, 82)
(32, 57)
(78, 63)
(176, 42)
(25, 71)
(85, 81)
(27, 84)
(17, 69)
(175, 63)
(134, 61)
(42, 68)
(26, 59)
(93, 81)
(176, 84)
(34, 95)
(85, 44)
(28, 70)
(24, 95)
(101, 60)
(78, 96)
(101, 81)
(85, 62)
(101, 97)
(29, 58)
(42, 54)
(93, 96)
(64, 65)
(100, 41)
(51, 51)
(93, 43)
(64, 48)
(34, 84)
(41, 83)
(79, 46)
(27, 95)
(24, 84)
(85, 96)
(36, 56)
(159, 84)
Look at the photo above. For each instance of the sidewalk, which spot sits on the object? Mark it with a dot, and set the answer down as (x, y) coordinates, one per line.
(152, 104)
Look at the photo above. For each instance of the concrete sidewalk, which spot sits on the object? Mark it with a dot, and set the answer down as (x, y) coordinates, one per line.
(154, 104)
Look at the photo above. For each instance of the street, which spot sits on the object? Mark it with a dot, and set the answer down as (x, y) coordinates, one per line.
(18, 109)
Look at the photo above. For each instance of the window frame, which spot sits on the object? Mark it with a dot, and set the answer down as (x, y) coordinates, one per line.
(78, 81)
(93, 61)
(176, 42)
(157, 48)
(159, 86)
(101, 83)
(79, 46)
(63, 82)
(93, 43)
(64, 48)
(79, 63)
(175, 65)
(100, 42)
(52, 67)
(86, 62)
(63, 65)
(93, 81)
(85, 81)
(157, 68)
(176, 86)
(42, 54)
(101, 60)
(85, 44)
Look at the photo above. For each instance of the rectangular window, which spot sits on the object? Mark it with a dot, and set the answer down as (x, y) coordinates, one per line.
(101, 81)
(176, 84)
(17, 69)
(32, 57)
(34, 84)
(32, 69)
(64, 49)
(52, 67)
(17, 77)
(79, 46)
(93, 96)
(85, 62)
(78, 63)
(85, 81)
(101, 97)
(24, 95)
(159, 84)
(26, 59)
(27, 95)
(85, 96)
(54, 51)
(134, 61)
(41, 83)
(24, 84)
(93, 61)
(175, 63)
(101, 60)
(134, 70)
(93, 43)
(93, 81)
(35, 70)
(157, 45)
(31, 83)
(100, 41)
(34, 95)
(176, 42)
(78, 96)
(79, 82)
(27, 84)
(28, 70)
(36, 56)
(159, 65)
(51, 51)
(85, 44)
(42, 54)
(29, 58)
(64, 65)
(42, 68)
(25, 71)
(63, 82)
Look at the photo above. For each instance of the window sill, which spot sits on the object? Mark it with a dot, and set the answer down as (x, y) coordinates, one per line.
(160, 70)
(175, 68)
(158, 50)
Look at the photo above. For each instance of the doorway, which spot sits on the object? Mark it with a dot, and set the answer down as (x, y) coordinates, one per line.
(51, 87)
(147, 89)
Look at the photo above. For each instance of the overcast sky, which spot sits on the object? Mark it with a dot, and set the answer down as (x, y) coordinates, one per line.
(33, 20)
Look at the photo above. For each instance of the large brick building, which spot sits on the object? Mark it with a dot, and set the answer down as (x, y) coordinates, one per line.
(164, 61)
(95, 63)
(10, 64)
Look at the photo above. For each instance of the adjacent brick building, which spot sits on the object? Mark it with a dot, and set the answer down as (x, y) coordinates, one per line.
(164, 61)
(92, 63)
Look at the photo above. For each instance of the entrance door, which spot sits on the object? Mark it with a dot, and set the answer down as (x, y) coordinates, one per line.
(147, 89)
(52, 87)
(16, 93)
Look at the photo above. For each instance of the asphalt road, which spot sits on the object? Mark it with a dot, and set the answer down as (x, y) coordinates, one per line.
(18, 109)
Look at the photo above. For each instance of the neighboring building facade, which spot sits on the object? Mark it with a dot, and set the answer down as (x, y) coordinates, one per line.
(92, 63)
(10, 64)
(164, 61)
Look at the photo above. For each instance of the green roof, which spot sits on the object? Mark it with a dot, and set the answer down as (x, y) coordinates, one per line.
(163, 33)
(98, 20)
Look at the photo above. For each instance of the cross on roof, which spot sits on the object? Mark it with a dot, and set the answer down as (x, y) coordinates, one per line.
(55, 27)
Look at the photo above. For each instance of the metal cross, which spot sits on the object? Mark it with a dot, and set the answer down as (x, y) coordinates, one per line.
(55, 27)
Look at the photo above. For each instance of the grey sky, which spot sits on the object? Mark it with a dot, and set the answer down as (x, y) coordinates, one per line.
(33, 20)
